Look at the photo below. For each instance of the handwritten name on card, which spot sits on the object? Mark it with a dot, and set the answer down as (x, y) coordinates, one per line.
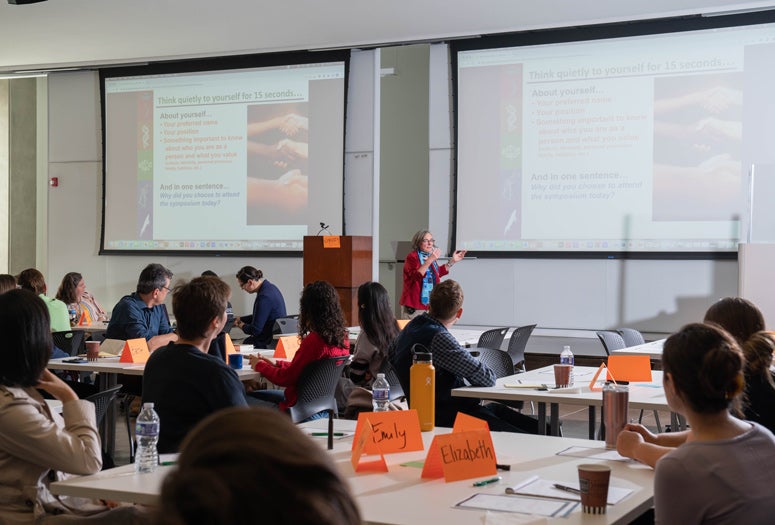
(461, 455)
(135, 351)
(393, 431)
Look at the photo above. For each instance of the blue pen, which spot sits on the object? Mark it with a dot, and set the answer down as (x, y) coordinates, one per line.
(487, 481)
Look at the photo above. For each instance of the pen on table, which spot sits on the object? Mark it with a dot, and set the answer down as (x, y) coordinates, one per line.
(324, 434)
(567, 488)
(487, 481)
(167, 463)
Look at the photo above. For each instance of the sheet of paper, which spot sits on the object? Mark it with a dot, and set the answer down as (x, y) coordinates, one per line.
(520, 504)
(545, 488)
(593, 453)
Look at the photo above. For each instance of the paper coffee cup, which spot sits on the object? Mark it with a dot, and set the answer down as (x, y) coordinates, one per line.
(593, 483)
(562, 375)
(92, 349)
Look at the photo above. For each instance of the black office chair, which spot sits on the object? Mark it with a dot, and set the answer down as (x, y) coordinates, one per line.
(316, 389)
(492, 338)
(288, 325)
(611, 340)
(497, 360)
(396, 390)
(518, 343)
(631, 337)
(102, 401)
(70, 342)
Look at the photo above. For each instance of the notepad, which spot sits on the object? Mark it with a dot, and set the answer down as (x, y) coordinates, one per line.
(522, 505)
(535, 486)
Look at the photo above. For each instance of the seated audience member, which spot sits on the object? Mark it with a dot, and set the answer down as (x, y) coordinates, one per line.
(32, 280)
(378, 329)
(725, 470)
(7, 282)
(324, 334)
(37, 445)
(454, 364)
(218, 345)
(74, 294)
(142, 314)
(759, 401)
(242, 461)
(181, 379)
(741, 319)
(268, 306)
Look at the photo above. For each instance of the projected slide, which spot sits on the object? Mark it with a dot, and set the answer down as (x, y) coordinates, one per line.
(234, 160)
(628, 144)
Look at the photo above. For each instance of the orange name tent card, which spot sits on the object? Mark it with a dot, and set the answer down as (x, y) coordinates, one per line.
(360, 442)
(464, 422)
(402, 323)
(229, 346)
(332, 241)
(286, 347)
(461, 455)
(135, 351)
(85, 318)
(592, 387)
(632, 368)
(392, 431)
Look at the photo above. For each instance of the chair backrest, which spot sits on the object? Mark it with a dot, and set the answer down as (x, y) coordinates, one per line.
(492, 338)
(70, 342)
(497, 360)
(316, 388)
(518, 343)
(611, 340)
(102, 401)
(286, 325)
(631, 336)
(396, 391)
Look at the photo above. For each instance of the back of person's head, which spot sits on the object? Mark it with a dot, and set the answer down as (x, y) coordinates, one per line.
(31, 279)
(25, 347)
(320, 312)
(196, 303)
(209, 273)
(67, 290)
(758, 351)
(738, 316)
(252, 465)
(705, 364)
(375, 316)
(153, 277)
(446, 299)
(249, 273)
(417, 239)
(7, 282)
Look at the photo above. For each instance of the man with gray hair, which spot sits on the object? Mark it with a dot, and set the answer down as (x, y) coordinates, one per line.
(142, 314)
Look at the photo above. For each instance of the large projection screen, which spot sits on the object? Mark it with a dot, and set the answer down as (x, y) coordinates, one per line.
(628, 140)
(236, 160)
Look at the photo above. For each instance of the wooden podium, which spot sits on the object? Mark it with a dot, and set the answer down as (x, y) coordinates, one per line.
(345, 262)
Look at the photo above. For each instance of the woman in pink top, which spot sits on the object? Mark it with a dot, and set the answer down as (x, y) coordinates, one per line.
(323, 331)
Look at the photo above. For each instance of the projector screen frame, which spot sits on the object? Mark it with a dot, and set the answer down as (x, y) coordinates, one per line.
(606, 31)
(215, 64)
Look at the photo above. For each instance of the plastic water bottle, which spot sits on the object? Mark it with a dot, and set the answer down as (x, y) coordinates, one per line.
(147, 434)
(566, 358)
(380, 394)
(73, 313)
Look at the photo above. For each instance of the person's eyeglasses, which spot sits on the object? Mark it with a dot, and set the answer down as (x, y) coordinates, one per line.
(243, 285)
(165, 288)
(432, 241)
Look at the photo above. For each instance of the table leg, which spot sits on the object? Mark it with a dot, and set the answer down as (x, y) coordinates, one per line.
(542, 418)
(554, 419)
(108, 426)
(592, 421)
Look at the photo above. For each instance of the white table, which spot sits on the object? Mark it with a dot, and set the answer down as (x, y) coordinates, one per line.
(465, 336)
(653, 349)
(402, 497)
(644, 396)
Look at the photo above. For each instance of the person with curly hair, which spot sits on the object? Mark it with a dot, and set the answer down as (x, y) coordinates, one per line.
(323, 334)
